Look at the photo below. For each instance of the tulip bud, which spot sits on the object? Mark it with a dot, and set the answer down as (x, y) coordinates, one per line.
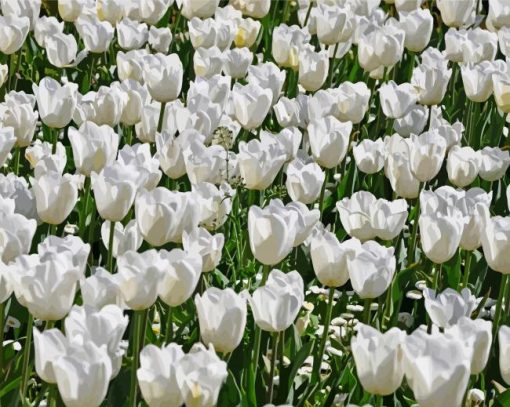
(369, 155)
(447, 308)
(131, 34)
(329, 140)
(462, 165)
(208, 246)
(55, 103)
(160, 39)
(276, 305)
(222, 318)
(13, 31)
(199, 8)
(304, 180)
(427, 153)
(378, 359)
(163, 76)
(495, 163)
(418, 25)
(251, 104)
(397, 100)
(457, 14)
(504, 352)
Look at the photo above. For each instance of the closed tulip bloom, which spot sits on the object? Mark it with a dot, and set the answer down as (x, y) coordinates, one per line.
(139, 159)
(334, 24)
(388, 218)
(208, 62)
(113, 192)
(355, 215)
(313, 68)
(236, 62)
(22, 118)
(100, 289)
(252, 8)
(495, 237)
(462, 165)
(46, 284)
(160, 39)
(198, 8)
(7, 140)
(251, 104)
(352, 101)
(139, 276)
(46, 27)
(477, 80)
(151, 11)
(267, 76)
(163, 76)
(276, 305)
(202, 374)
(369, 155)
(222, 318)
(55, 196)
(287, 42)
(130, 64)
(495, 163)
(163, 215)
(215, 203)
(61, 50)
(16, 232)
(304, 180)
(136, 97)
(103, 327)
(371, 269)
(158, 375)
(417, 25)
(397, 100)
(306, 218)
(208, 246)
(407, 5)
(427, 152)
(398, 170)
(131, 34)
(48, 346)
(329, 257)
(501, 88)
(447, 308)
(73, 245)
(125, 238)
(13, 31)
(378, 358)
(504, 352)
(55, 102)
(4, 71)
(271, 234)
(70, 10)
(380, 46)
(431, 82)
(180, 276)
(413, 122)
(96, 35)
(440, 235)
(83, 374)
(170, 150)
(247, 32)
(204, 164)
(259, 163)
(477, 336)
(94, 147)
(329, 140)
(457, 13)
(436, 368)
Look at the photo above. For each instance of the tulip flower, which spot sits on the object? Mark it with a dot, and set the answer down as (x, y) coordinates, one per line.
(495, 238)
(70, 10)
(355, 215)
(418, 25)
(131, 34)
(163, 76)
(96, 35)
(462, 165)
(431, 82)
(251, 104)
(130, 64)
(287, 42)
(222, 318)
(204, 164)
(334, 24)
(371, 269)
(100, 289)
(200, 9)
(201, 369)
(329, 140)
(179, 278)
(259, 163)
(477, 80)
(413, 122)
(436, 368)
(276, 305)
(369, 155)
(13, 31)
(271, 233)
(504, 352)
(247, 32)
(55, 195)
(304, 180)
(455, 14)
(329, 257)
(103, 327)
(139, 277)
(49, 345)
(252, 8)
(313, 68)
(46, 27)
(62, 50)
(267, 76)
(426, 153)
(55, 103)
(445, 309)
(139, 160)
(477, 336)
(73, 245)
(397, 100)
(236, 62)
(380, 47)
(378, 359)
(158, 375)
(208, 246)
(160, 39)
(152, 11)
(495, 163)
(215, 203)
(125, 238)
(45, 284)
(208, 62)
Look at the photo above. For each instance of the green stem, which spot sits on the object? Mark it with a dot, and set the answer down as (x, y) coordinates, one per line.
(137, 340)
(54, 140)
(25, 372)
(17, 160)
(161, 116)
(110, 246)
(169, 329)
(499, 305)
(274, 351)
(2, 327)
(320, 354)
(467, 267)
(332, 67)
(437, 277)
(410, 255)
(323, 191)
(308, 12)
(366, 310)
(49, 325)
(256, 349)
(85, 207)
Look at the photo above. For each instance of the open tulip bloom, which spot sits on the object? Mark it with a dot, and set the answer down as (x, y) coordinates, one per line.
(254, 203)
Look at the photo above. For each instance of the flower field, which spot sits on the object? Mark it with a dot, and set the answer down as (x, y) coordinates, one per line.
(254, 203)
